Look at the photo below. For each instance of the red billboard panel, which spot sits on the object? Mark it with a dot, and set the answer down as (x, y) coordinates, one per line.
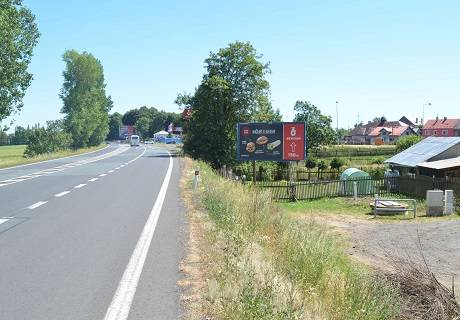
(293, 141)
(187, 113)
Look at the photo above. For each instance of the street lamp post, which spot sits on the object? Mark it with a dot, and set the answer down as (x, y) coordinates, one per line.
(423, 115)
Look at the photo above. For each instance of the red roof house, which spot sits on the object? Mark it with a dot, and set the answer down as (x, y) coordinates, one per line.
(442, 128)
(387, 135)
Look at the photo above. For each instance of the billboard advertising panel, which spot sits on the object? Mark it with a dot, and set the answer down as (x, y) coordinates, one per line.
(125, 131)
(271, 141)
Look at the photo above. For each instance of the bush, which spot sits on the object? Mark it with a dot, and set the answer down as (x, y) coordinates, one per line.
(378, 172)
(310, 163)
(47, 140)
(407, 142)
(337, 163)
(322, 165)
(378, 160)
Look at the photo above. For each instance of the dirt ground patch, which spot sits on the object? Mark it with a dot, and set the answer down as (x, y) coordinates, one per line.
(436, 244)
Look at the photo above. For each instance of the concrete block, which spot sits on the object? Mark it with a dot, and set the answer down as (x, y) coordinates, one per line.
(435, 202)
(449, 202)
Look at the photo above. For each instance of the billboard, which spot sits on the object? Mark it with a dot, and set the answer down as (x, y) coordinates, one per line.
(125, 131)
(271, 141)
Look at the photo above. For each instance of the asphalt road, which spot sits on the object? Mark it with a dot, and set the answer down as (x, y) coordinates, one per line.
(97, 236)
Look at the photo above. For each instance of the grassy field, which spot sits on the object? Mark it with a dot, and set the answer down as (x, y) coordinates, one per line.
(12, 155)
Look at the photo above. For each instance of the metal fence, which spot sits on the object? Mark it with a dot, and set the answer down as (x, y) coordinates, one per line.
(419, 185)
(414, 187)
(310, 190)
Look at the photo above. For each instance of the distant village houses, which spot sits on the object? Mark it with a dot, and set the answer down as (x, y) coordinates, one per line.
(383, 131)
(443, 127)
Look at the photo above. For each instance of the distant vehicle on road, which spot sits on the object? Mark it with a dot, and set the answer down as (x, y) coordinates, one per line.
(134, 140)
(148, 142)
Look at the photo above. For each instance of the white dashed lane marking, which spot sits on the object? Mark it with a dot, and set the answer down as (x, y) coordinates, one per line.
(36, 205)
(110, 171)
(103, 175)
(80, 186)
(93, 179)
(61, 194)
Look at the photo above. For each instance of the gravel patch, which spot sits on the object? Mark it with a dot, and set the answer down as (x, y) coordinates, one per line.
(379, 244)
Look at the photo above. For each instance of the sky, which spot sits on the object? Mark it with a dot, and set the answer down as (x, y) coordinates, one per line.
(376, 58)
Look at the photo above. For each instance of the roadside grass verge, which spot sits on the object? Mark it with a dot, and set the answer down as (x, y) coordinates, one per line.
(358, 208)
(268, 266)
(13, 155)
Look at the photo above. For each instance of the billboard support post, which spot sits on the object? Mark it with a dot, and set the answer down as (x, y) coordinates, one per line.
(254, 171)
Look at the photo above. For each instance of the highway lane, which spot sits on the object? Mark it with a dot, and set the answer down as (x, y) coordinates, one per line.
(65, 259)
(19, 196)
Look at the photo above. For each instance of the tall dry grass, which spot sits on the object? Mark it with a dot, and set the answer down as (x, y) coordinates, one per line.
(270, 267)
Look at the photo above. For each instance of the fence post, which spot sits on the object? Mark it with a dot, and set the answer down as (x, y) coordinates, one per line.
(196, 179)
(355, 190)
(293, 191)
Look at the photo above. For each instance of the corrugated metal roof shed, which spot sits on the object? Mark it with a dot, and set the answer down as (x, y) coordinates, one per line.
(441, 164)
(423, 151)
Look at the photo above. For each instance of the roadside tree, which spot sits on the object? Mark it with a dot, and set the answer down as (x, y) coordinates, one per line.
(86, 106)
(319, 129)
(233, 89)
(18, 36)
(143, 126)
(114, 126)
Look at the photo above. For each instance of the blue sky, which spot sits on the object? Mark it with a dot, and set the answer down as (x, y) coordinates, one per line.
(374, 57)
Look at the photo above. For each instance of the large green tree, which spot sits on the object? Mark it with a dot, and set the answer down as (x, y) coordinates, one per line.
(114, 126)
(18, 37)
(319, 129)
(86, 106)
(233, 89)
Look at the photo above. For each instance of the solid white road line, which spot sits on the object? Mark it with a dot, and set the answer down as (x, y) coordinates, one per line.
(62, 194)
(123, 298)
(103, 175)
(3, 220)
(93, 179)
(80, 186)
(36, 205)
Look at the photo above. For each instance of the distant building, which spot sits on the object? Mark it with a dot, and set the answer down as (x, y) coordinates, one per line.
(442, 128)
(381, 132)
(389, 135)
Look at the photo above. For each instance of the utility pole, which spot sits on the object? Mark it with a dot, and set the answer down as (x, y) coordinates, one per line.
(337, 121)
